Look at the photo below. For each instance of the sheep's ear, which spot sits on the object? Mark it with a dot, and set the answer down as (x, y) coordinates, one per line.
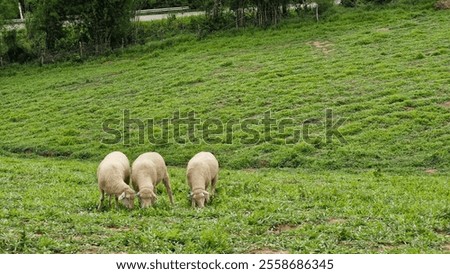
(122, 196)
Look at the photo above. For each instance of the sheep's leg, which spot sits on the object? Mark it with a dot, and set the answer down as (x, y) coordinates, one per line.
(166, 182)
(117, 202)
(213, 184)
(110, 201)
(102, 197)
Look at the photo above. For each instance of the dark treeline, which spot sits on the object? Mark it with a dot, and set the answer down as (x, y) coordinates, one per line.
(57, 29)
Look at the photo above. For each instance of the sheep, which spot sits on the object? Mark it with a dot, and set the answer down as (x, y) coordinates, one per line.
(113, 176)
(202, 169)
(146, 172)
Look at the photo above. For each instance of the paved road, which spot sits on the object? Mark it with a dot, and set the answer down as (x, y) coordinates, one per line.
(152, 17)
(141, 18)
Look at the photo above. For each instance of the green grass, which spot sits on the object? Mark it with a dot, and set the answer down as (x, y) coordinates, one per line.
(388, 75)
(385, 70)
(49, 206)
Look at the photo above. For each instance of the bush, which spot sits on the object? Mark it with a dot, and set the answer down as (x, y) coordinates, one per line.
(16, 48)
(324, 5)
(349, 3)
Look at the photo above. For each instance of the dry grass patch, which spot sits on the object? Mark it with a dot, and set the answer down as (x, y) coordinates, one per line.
(325, 46)
(282, 228)
(267, 251)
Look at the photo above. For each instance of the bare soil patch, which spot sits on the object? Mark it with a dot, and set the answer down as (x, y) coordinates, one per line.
(325, 46)
(446, 104)
(385, 248)
(442, 5)
(383, 30)
(336, 221)
(92, 250)
(118, 229)
(282, 228)
(267, 251)
(431, 171)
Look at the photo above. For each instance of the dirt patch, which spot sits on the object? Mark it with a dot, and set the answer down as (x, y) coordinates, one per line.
(446, 104)
(267, 251)
(282, 228)
(442, 5)
(446, 247)
(431, 171)
(442, 232)
(118, 229)
(409, 108)
(385, 248)
(77, 238)
(336, 221)
(325, 46)
(91, 250)
(383, 30)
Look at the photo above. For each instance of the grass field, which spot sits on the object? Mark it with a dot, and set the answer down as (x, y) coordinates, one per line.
(49, 206)
(384, 190)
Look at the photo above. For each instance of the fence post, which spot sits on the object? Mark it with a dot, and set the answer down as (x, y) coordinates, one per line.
(81, 50)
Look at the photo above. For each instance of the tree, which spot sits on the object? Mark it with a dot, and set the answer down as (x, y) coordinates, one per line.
(8, 10)
(107, 22)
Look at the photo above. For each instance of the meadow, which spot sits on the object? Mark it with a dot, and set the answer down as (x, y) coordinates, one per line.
(385, 189)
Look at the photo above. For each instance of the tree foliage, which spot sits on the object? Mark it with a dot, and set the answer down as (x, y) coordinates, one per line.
(8, 10)
(103, 24)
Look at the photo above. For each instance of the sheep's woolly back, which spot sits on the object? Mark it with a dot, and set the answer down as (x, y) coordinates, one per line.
(201, 169)
(148, 170)
(113, 173)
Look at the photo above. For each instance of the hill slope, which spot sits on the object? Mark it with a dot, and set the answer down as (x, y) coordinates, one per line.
(387, 75)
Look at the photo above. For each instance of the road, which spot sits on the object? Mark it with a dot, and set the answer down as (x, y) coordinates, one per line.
(141, 18)
(152, 17)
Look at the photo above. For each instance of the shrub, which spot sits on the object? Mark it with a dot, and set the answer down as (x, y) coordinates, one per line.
(17, 48)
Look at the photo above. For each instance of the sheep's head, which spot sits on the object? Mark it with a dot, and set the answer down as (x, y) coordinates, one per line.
(146, 197)
(127, 198)
(199, 198)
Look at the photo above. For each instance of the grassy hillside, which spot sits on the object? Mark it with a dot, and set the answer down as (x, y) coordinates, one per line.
(386, 71)
(383, 189)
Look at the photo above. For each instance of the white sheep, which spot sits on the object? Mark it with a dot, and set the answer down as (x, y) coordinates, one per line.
(202, 170)
(113, 176)
(147, 171)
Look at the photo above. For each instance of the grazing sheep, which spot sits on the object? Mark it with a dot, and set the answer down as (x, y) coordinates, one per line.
(202, 169)
(113, 173)
(147, 171)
